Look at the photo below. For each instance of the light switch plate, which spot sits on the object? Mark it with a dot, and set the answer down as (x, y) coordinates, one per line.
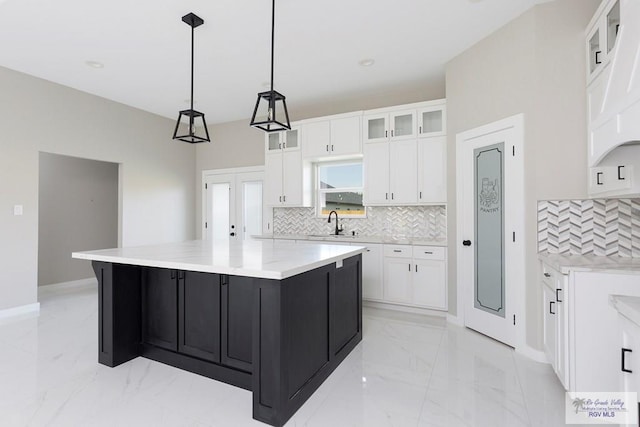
(17, 210)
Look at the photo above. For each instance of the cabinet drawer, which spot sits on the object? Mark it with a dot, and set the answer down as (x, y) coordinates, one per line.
(398, 251)
(429, 252)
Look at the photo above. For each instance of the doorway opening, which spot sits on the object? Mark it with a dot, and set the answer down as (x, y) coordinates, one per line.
(78, 205)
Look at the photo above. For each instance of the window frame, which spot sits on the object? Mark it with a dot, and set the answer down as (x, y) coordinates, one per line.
(320, 191)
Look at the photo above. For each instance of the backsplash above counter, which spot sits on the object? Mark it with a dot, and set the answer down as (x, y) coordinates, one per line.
(601, 227)
(396, 222)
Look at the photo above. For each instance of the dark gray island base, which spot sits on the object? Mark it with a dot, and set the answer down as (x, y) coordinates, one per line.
(279, 339)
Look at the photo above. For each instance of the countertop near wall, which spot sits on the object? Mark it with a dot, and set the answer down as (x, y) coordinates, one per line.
(609, 264)
(357, 239)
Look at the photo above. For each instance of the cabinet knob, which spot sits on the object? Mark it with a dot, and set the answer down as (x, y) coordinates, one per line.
(624, 351)
(547, 275)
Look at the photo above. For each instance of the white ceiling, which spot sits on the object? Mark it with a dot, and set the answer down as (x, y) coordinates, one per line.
(145, 47)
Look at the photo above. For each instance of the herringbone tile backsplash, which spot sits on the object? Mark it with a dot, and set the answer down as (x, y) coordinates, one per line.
(427, 222)
(602, 227)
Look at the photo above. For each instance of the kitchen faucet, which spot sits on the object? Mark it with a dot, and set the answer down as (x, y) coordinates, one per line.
(338, 230)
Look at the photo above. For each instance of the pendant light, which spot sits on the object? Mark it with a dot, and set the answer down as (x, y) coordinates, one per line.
(265, 114)
(193, 116)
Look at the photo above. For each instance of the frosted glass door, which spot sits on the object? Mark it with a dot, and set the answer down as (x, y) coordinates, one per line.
(404, 125)
(489, 290)
(219, 222)
(375, 128)
(251, 209)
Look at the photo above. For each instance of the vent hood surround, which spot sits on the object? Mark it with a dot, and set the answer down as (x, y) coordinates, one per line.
(618, 121)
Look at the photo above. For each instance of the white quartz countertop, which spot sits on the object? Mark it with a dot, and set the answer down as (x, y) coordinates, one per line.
(269, 259)
(613, 264)
(627, 306)
(355, 239)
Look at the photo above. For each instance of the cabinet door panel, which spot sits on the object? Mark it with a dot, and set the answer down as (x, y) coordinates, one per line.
(317, 139)
(292, 178)
(237, 320)
(372, 272)
(345, 304)
(403, 172)
(403, 125)
(199, 315)
(429, 284)
(345, 136)
(432, 161)
(375, 127)
(160, 308)
(397, 280)
(273, 179)
(376, 173)
(549, 324)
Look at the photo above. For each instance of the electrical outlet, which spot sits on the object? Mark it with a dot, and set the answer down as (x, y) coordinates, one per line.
(17, 210)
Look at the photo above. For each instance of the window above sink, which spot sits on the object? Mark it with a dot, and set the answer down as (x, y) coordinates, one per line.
(339, 187)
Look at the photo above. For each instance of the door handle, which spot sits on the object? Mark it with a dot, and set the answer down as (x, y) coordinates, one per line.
(620, 177)
(557, 297)
(232, 234)
(547, 275)
(624, 351)
(598, 57)
(598, 175)
(551, 307)
(466, 243)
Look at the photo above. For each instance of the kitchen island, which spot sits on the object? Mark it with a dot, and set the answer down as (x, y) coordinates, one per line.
(271, 317)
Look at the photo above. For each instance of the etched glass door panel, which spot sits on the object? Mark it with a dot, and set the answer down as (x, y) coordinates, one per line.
(220, 215)
(489, 283)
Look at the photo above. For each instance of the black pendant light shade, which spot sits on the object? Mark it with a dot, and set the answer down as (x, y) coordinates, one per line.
(197, 126)
(270, 113)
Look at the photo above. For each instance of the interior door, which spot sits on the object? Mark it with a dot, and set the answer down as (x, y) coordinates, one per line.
(249, 203)
(491, 251)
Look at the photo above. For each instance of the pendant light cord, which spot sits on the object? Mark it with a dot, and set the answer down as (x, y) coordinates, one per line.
(273, 25)
(192, 62)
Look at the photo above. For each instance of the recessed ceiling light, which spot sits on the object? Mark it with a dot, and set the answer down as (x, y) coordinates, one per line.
(367, 62)
(94, 64)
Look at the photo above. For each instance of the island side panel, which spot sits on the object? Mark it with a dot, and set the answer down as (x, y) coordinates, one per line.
(294, 343)
(119, 323)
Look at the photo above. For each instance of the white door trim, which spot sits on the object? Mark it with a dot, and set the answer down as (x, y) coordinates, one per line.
(514, 220)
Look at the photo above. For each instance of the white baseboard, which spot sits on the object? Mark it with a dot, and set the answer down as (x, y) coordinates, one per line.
(403, 308)
(455, 320)
(532, 353)
(20, 310)
(92, 281)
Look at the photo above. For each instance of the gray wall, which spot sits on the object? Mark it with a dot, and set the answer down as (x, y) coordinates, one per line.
(156, 173)
(534, 65)
(77, 211)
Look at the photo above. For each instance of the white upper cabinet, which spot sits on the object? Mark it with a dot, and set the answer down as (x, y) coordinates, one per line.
(432, 120)
(283, 141)
(601, 37)
(432, 170)
(332, 136)
(405, 154)
(389, 126)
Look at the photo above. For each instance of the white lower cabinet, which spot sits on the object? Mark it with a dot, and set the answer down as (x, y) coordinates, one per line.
(629, 348)
(372, 272)
(415, 275)
(580, 338)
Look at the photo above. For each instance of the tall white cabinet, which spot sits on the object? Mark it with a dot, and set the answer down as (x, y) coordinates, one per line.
(405, 154)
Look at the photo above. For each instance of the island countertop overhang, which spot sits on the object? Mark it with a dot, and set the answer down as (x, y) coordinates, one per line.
(262, 259)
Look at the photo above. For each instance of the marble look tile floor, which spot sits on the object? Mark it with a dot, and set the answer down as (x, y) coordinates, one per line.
(409, 370)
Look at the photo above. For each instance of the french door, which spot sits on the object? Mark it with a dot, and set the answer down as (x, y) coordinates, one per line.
(233, 205)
